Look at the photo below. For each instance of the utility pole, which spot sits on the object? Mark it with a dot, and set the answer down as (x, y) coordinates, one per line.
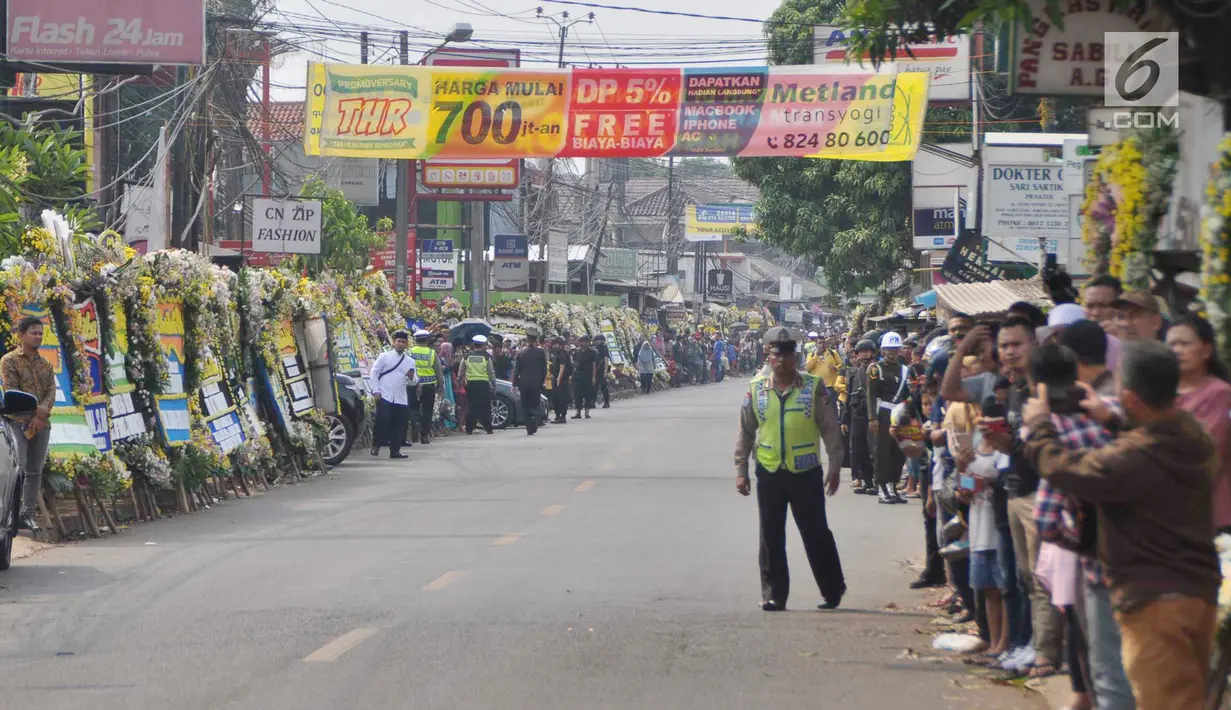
(401, 217)
(669, 240)
(564, 23)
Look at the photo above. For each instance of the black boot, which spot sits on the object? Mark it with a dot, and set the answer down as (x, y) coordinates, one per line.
(886, 495)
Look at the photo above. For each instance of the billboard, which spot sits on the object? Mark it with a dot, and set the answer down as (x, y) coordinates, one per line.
(713, 223)
(511, 267)
(947, 61)
(474, 174)
(422, 112)
(166, 32)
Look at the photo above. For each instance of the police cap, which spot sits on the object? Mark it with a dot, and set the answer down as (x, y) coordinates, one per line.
(865, 344)
(781, 335)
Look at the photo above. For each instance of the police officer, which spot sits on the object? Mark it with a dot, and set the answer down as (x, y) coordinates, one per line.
(784, 416)
(427, 366)
(478, 374)
(887, 382)
(855, 417)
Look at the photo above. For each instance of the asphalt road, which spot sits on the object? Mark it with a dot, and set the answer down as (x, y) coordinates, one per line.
(602, 564)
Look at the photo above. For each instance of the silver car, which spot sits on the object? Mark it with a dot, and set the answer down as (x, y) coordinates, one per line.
(11, 477)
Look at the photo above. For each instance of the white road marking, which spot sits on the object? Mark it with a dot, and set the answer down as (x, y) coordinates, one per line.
(444, 580)
(552, 509)
(587, 485)
(506, 540)
(335, 648)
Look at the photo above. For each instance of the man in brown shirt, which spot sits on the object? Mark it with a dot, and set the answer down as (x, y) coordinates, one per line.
(25, 370)
(1151, 486)
(785, 415)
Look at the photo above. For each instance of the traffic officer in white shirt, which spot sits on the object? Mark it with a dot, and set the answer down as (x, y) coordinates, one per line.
(392, 374)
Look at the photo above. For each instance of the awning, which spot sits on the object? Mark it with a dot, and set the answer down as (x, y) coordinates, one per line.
(995, 297)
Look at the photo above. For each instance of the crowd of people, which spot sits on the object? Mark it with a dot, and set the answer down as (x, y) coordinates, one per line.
(1074, 469)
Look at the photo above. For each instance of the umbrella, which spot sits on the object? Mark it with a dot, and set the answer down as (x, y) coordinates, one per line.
(467, 329)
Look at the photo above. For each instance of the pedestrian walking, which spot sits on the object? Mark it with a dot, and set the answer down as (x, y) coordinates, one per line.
(855, 418)
(561, 373)
(25, 370)
(529, 373)
(478, 374)
(784, 417)
(392, 375)
(427, 368)
(604, 366)
(585, 373)
(645, 366)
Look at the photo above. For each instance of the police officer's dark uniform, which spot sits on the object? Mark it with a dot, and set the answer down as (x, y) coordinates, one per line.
(782, 423)
(887, 381)
(478, 374)
(855, 418)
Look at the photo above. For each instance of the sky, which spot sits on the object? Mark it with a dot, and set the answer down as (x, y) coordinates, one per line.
(616, 36)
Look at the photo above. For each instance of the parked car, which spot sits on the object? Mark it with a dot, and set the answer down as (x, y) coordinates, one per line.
(11, 476)
(507, 410)
(345, 426)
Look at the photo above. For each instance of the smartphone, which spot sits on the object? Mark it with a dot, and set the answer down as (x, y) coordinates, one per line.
(966, 482)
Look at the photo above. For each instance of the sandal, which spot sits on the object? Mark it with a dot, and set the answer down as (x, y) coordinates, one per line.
(1043, 670)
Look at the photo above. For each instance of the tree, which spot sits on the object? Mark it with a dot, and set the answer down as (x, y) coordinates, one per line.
(1203, 25)
(851, 218)
(346, 238)
(41, 167)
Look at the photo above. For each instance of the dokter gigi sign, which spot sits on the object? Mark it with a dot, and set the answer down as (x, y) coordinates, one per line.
(165, 32)
(367, 111)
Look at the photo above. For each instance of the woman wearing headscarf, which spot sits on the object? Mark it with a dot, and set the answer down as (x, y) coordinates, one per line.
(645, 366)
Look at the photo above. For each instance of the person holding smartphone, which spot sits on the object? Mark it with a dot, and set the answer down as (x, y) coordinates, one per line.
(978, 470)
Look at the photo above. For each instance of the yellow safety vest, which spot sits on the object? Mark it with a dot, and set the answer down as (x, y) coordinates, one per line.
(787, 435)
(425, 364)
(476, 368)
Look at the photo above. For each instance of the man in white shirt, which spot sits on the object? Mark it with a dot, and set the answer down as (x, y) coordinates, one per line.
(391, 375)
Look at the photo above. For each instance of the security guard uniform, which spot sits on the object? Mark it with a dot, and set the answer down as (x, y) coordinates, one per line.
(887, 381)
(478, 374)
(855, 418)
(427, 366)
(782, 424)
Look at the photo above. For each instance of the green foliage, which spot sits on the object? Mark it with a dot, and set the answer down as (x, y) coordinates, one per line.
(346, 237)
(849, 217)
(41, 168)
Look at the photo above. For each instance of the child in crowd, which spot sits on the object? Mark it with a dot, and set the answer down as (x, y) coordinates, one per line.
(978, 470)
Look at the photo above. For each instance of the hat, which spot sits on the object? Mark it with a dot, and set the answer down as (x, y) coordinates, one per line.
(891, 340)
(814, 334)
(585, 338)
(601, 337)
(1139, 299)
(1065, 314)
(421, 333)
(865, 344)
(780, 335)
(400, 335)
(480, 339)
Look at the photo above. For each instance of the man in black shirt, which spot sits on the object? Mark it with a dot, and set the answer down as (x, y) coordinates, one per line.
(501, 361)
(585, 373)
(528, 377)
(561, 373)
(604, 363)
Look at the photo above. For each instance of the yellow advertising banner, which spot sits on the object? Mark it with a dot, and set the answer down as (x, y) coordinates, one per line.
(910, 106)
(501, 113)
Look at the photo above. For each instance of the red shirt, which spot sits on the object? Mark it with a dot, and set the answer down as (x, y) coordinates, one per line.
(1210, 404)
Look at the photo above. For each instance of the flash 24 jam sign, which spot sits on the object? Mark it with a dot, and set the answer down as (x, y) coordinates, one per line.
(107, 31)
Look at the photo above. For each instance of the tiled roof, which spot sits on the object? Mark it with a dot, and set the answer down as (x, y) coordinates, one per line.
(286, 119)
(980, 299)
(646, 202)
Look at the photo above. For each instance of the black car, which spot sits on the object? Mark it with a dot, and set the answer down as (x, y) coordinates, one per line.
(345, 426)
(507, 410)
